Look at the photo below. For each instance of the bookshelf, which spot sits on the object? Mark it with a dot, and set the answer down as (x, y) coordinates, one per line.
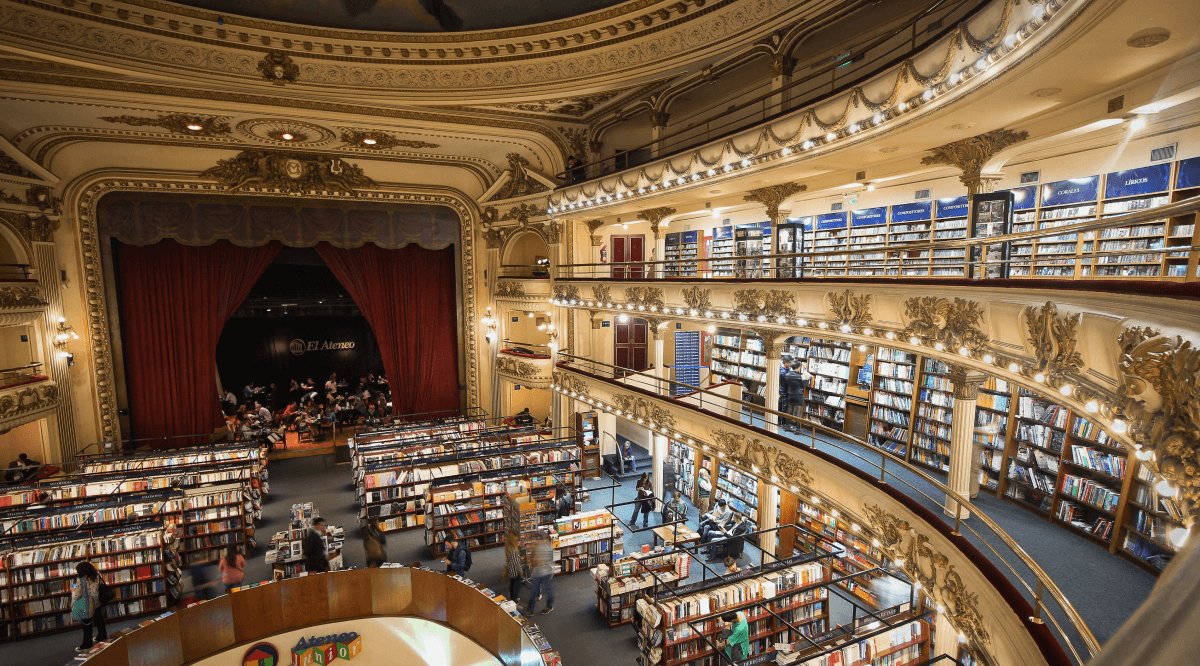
(585, 540)
(472, 512)
(1039, 436)
(892, 395)
(931, 421)
(39, 574)
(950, 222)
(738, 355)
(829, 365)
(829, 235)
(722, 248)
(859, 554)
(907, 640)
(1148, 519)
(739, 489)
(587, 436)
(993, 411)
(285, 554)
(212, 520)
(618, 583)
(683, 459)
(868, 231)
(793, 593)
(683, 249)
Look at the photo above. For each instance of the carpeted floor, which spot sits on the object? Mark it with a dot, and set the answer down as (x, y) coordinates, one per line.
(1104, 588)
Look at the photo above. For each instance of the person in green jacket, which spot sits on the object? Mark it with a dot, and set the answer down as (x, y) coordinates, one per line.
(737, 644)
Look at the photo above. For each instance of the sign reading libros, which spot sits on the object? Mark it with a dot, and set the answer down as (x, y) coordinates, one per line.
(298, 347)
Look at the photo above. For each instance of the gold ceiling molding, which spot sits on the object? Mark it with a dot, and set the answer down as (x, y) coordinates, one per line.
(1159, 393)
(278, 68)
(34, 229)
(645, 297)
(510, 289)
(13, 168)
(179, 123)
(520, 183)
(697, 299)
(850, 310)
(21, 297)
(608, 51)
(86, 197)
(955, 324)
(762, 460)
(521, 213)
(638, 408)
(970, 154)
(772, 304)
(42, 197)
(272, 131)
(515, 367)
(911, 552)
(774, 195)
(574, 107)
(289, 172)
(371, 140)
(1052, 336)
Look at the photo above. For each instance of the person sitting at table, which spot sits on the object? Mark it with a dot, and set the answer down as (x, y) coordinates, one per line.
(736, 533)
(308, 385)
(524, 418)
(674, 509)
(373, 416)
(263, 413)
(716, 519)
(249, 391)
(331, 385)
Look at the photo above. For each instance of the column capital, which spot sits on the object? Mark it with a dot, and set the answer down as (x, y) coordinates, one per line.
(655, 216)
(970, 154)
(772, 349)
(965, 382)
(592, 226)
(782, 65)
(659, 119)
(773, 195)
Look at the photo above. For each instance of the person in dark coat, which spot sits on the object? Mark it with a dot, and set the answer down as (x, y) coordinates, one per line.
(316, 554)
(456, 557)
(374, 543)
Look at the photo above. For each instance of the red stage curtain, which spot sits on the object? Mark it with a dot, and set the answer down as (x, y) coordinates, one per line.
(175, 300)
(408, 297)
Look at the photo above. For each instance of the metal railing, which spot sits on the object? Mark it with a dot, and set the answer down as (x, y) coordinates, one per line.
(977, 258)
(854, 65)
(541, 270)
(721, 405)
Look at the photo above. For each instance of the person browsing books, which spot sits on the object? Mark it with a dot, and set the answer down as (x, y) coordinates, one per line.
(458, 557)
(703, 491)
(735, 636)
(316, 554)
(232, 567)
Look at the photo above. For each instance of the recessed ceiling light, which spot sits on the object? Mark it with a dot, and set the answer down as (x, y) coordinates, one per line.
(369, 142)
(194, 127)
(1144, 39)
(286, 136)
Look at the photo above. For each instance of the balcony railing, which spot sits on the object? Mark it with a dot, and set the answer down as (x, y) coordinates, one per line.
(856, 64)
(525, 270)
(1002, 546)
(1016, 255)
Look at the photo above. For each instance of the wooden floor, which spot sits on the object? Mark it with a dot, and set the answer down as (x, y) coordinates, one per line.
(319, 448)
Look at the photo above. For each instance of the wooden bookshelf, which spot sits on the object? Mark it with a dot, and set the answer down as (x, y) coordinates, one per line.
(829, 365)
(587, 436)
(619, 582)
(738, 355)
(473, 512)
(993, 414)
(859, 555)
(893, 393)
(683, 459)
(930, 444)
(585, 540)
(739, 489)
(684, 250)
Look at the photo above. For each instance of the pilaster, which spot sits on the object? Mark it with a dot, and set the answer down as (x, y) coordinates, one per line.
(46, 265)
(963, 455)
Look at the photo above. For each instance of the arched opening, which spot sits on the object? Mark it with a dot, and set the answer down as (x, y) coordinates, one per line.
(526, 255)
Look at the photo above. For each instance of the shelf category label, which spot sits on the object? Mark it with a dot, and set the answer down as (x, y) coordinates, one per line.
(864, 217)
(1024, 198)
(1189, 174)
(953, 207)
(919, 211)
(1146, 180)
(831, 221)
(1074, 190)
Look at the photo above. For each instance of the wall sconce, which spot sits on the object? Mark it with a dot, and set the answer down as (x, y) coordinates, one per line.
(65, 333)
(489, 324)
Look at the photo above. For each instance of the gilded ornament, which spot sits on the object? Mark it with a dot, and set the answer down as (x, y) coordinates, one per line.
(278, 68)
(1159, 394)
(38, 229)
(29, 399)
(1052, 337)
(510, 289)
(288, 171)
(381, 141)
(773, 340)
(761, 459)
(970, 154)
(577, 141)
(647, 297)
(850, 310)
(42, 198)
(179, 123)
(592, 226)
(494, 237)
(515, 367)
(698, 299)
(21, 297)
(655, 216)
(602, 294)
(520, 183)
(566, 293)
(955, 324)
(774, 195)
(11, 167)
(636, 407)
(568, 106)
(771, 304)
(521, 213)
(570, 384)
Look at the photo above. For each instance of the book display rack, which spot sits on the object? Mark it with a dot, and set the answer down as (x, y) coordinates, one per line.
(473, 512)
(688, 617)
(829, 234)
(739, 489)
(618, 584)
(1033, 464)
(906, 640)
(286, 552)
(587, 429)
(683, 250)
(585, 540)
(721, 249)
(829, 365)
(859, 554)
(868, 231)
(993, 409)
(931, 423)
(682, 459)
(893, 394)
(738, 355)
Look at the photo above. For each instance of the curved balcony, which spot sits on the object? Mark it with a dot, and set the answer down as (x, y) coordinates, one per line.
(997, 596)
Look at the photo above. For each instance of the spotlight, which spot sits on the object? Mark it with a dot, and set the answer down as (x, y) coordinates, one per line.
(807, 145)
(830, 137)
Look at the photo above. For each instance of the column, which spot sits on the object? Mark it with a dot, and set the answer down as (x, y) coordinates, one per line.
(768, 507)
(658, 451)
(594, 251)
(657, 351)
(781, 77)
(772, 389)
(606, 422)
(658, 129)
(945, 639)
(965, 383)
(46, 265)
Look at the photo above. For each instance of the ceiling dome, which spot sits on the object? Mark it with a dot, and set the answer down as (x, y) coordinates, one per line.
(408, 15)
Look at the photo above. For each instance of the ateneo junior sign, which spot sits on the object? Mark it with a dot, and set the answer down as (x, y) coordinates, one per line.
(298, 347)
(322, 650)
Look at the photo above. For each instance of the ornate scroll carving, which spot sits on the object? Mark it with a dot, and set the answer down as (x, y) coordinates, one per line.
(934, 571)
(592, 226)
(644, 296)
(698, 299)
(521, 213)
(12, 167)
(955, 324)
(38, 229)
(291, 172)
(570, 384)
(636, 407)
(520, 183)
(510, 289)
(1052, 336)
(1159, 394)
(278, 68)
(970, 154)
(566, 293)
(494, 237)
(850, 310)
(654, 216)
(773, 195)
(28, 399)
(515, 367)
(602, 294)
(761, 459)
(577, 141)
(179, 123)
(381, 141)
(761, 302)
(21, 297)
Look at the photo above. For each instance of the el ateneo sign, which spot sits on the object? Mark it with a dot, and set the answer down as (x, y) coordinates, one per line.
(299, 347)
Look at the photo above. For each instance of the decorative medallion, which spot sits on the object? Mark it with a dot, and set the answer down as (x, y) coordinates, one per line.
(289, 172)
(511, 289)
(698, 299)
(646, 297)
(1052, 337)
(770, 304)
(278, 68)
(371, 140)
(285, 133)
(179, 123)
(521, 213)
(1159, 394)
(955, 324)
(850, 310)
(635, 407)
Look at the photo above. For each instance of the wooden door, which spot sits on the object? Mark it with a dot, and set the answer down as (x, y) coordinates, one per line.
(631, 346)
(628, 249)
